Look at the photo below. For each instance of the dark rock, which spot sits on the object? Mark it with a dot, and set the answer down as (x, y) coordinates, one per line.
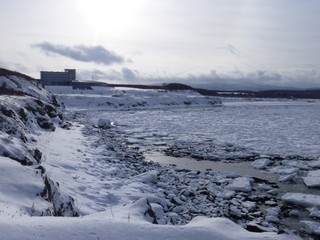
(254, 228)
(7, 112)
(23, 115)
(45, 123)
(37, 154)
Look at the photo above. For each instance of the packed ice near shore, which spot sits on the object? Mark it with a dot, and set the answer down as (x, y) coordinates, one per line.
(133, 164)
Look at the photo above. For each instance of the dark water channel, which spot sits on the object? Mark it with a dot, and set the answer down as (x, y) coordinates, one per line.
(239, 168)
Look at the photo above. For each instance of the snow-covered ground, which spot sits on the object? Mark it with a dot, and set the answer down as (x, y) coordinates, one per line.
(93, 228)
(93, 165)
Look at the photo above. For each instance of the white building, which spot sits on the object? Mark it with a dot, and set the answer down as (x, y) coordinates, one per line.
(58, 78)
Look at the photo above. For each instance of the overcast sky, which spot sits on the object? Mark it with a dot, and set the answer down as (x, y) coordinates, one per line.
(236, 42)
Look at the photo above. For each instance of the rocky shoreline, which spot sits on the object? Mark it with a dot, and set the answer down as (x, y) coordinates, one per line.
(177, 196)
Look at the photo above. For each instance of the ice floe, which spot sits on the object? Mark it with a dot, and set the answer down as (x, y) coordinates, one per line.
(305, 200)
(312, 179)
(261, 163)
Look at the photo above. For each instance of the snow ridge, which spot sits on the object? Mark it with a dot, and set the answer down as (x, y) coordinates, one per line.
(22, 119)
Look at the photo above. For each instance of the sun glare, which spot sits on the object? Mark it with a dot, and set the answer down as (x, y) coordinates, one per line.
(110, 15)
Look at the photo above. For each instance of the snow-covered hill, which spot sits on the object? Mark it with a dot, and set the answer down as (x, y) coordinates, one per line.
(26, 111)
(15, 83)
(50, 167)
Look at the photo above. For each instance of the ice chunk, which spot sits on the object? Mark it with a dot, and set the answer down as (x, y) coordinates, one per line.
(249, 205)
(264, 187)
(148, 177)
(261, 163)
(294, 213)
(299, 164)
(226, 194)
(273, 214)
(314, 164)
(314, 212)
(288, 178)
(158, 211)
(234, 211)
(312, 179)
(241, 184)
(311, 227)
(133, 141)
(305, 200)
(284, 170)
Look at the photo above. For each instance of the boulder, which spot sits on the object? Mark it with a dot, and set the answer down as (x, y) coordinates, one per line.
(104, 123)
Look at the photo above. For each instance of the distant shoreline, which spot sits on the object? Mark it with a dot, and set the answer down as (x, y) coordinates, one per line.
(289, 94)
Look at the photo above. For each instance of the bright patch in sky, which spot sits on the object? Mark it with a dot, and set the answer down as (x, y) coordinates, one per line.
(110, 15)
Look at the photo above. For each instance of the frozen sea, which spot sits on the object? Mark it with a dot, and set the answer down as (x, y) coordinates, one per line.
(282, 127)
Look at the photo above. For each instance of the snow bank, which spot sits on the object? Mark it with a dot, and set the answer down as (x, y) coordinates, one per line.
(99, 228)
(18, 83)
(22, 117)
(116, 99)
(19, 190)
(26, 111)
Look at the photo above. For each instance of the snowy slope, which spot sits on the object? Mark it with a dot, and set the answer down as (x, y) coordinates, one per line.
(22, 84)
(26, 113)
(99, 228)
